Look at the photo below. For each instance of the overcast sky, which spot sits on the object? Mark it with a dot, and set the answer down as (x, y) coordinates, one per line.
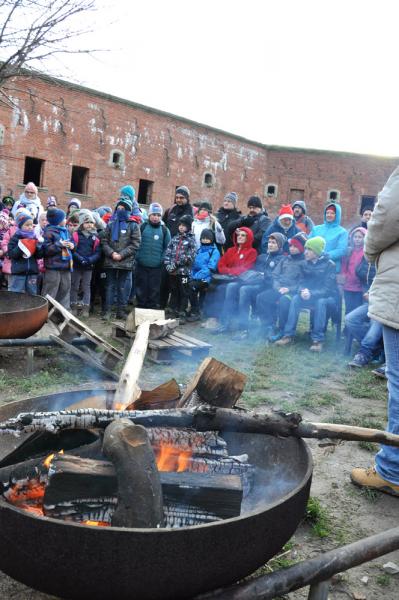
(306, 73)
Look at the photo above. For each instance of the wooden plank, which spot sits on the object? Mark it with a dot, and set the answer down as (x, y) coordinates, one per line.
(85, 357)
(195, 341)
(180, 342)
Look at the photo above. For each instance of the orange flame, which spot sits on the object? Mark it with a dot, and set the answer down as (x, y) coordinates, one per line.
(47, 461)
(96, 523)
(170, 458)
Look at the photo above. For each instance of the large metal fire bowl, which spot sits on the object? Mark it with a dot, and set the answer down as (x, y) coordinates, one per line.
(21, 315)
(80, 562)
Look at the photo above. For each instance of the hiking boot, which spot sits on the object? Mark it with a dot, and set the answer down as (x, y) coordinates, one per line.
(85, 311)
(240, 335)
(192, 317)
(371, 479)
(316, 347)
(359, 360)
(286, 339)
(380, 372)
(75, 309)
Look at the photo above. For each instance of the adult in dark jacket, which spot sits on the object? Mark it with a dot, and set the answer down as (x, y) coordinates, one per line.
(120, 242)
(284, 223)
(155, 237)
(257, 220)
(302, 221)
(181, 208)
(226, 215)
(273, 304)
(317, 291)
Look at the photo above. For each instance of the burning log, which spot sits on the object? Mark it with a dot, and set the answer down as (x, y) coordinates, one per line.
(214, 383)
(201, 418)
(140, 502)
(188, 440)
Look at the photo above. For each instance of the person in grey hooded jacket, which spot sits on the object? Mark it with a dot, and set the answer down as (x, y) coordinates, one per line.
(302, 221)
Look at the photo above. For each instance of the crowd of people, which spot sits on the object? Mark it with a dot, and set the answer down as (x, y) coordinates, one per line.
(229, 270)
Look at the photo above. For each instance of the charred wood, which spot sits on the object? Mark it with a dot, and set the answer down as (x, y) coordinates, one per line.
(140, 502)
(201, 418)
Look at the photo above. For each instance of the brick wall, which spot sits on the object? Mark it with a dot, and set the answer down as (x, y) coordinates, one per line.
(67, 125)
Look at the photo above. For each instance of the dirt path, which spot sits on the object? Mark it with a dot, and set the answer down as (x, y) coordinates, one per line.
(321, 388)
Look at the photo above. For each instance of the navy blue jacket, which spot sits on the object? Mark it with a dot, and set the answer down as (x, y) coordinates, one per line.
(52, 250)
(19, 264)
(87, 250)
(275, 227)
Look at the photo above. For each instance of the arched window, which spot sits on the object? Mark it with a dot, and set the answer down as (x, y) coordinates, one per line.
(117, 159)
(208, 179)
(271, 190)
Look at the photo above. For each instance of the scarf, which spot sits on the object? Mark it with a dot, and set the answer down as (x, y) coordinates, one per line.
(66, 254)
(31, 235)
(118, 223)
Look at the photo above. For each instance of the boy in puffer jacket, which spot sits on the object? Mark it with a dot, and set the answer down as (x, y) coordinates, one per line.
(205, 264)
(86, 254)
(58, 262)
(23, 250)
(179, 257)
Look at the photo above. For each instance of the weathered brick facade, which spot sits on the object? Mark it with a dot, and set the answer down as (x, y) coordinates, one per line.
(66, 125)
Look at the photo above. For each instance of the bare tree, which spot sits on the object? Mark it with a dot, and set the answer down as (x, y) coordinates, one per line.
(32, 31)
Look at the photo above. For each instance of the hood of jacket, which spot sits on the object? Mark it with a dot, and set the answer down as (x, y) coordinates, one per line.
(248, 242)
(338, 214)
(300, 203)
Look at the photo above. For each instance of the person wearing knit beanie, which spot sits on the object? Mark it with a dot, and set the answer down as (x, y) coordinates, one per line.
(74, 203)
(187, 221)
(182, 190)
(287, 213)
(316, 245)
(299, 240)
(205, 205)
(29, 200)
(22, 217)
(231, 197)
(285, 224)
(129, 191)
(126, 203)
(30, 188)
(155, 209)
(55, 217)
(255, 202)
(279, 238)
(51, 201)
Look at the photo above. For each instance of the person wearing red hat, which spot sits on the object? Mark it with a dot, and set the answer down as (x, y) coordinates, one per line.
(284, 223)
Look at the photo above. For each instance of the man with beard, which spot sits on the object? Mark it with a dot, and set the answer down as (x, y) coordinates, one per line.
(227, 214)
(302, 221)
(257, 220)
(181, 208)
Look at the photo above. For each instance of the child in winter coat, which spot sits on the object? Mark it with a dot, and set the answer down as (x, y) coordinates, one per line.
(204, 219)
(86, 254)
(273, 304)
(205, 264)
(4, 227)
(155, 238)
(23, 250)
(179, 257)
(58, 262)
(353, 289)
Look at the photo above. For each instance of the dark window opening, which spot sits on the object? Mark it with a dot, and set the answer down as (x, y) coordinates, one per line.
(145, 191)
(33, 170)
(333, 195)
(367, 203)
(79, 180)
(296, 195)
(271, 190)
(208, 179)
(116, 158)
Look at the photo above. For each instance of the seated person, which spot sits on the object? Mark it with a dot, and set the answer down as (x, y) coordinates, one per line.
(237, 259)
(241, 294)
(317, 291)
(285, 224)
(273, 304)
(205, 263)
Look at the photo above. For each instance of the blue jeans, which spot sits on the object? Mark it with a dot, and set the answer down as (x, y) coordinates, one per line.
(319, 320)
(23, 283)
(118, 282)
(237, 302)
(366, 331)
(387, 459)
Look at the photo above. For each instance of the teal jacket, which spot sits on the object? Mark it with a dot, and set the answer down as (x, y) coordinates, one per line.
(154, 241)
(335, 235)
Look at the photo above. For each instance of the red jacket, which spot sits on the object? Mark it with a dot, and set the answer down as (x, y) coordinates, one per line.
(237, 259)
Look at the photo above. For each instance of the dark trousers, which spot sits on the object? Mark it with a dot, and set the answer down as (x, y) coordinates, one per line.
(117, 287)
(271, 307)
(198, 290)
(318, 307)
(179, 292)
(148, 286)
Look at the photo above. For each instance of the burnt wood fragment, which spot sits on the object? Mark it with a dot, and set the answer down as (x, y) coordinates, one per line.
(140, 502)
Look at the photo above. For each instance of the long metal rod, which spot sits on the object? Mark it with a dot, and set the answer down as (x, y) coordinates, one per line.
(318, 569)
(31, 343)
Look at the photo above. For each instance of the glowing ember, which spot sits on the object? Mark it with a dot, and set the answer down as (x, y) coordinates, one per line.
(171, 458)
(96, 523)
(50, 457)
